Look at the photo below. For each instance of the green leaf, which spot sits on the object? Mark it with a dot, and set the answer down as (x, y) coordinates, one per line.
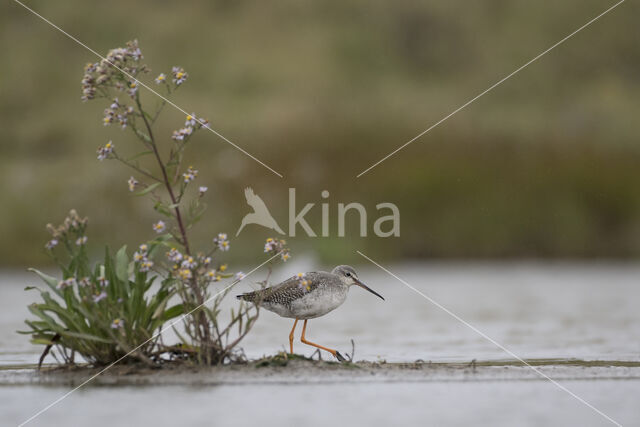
(147, 190)
(53, 325)
(86, 337)
(160, 310)
(52, 282)
(67, 315)
(143, 136)
(122, 264)
(160, 208)
(162, 239)
(196, 210)
(172, 312)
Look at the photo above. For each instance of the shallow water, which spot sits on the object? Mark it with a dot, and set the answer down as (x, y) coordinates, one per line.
(535, 310)
(527, 403)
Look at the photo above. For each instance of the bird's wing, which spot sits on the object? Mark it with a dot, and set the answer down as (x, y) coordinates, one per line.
(248, 193)
(287, 291)
(255, 201)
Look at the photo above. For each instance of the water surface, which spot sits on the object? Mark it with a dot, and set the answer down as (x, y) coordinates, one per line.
(536, 310)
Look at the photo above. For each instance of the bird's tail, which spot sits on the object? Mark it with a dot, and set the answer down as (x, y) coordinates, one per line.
(249, 296)
(244, 222)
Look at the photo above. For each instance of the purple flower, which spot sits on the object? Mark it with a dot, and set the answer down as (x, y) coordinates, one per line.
(99, 297)
(159, 227)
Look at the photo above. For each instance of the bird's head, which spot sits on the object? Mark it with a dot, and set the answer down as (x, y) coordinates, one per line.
(349, 277)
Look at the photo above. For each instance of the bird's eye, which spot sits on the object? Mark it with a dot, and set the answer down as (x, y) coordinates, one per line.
(348, 274)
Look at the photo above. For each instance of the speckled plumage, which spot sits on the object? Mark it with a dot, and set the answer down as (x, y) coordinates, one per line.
(325, 292)
(307, 296)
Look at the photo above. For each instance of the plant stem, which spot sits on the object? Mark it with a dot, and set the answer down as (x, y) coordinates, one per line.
(201, 323)
(165, 177)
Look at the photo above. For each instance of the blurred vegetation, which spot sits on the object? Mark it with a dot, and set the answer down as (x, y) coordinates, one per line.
(546, 165)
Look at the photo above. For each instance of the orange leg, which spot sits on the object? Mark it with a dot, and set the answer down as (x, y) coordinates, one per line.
(291, 336)
(335, 354)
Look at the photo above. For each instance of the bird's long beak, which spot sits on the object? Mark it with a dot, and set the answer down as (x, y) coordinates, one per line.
(363, 286)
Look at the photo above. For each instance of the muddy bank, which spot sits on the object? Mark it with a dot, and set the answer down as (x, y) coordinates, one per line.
(278, 369)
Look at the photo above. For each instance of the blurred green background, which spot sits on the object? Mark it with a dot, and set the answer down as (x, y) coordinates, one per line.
(544, 166)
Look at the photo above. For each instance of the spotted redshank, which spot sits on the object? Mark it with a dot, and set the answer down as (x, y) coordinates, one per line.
(307, 296)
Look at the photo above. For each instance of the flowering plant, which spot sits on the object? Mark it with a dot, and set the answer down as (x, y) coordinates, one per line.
(159, 174)
(101, 313)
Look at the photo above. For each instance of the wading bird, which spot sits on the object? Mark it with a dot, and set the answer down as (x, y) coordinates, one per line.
(307, 296)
